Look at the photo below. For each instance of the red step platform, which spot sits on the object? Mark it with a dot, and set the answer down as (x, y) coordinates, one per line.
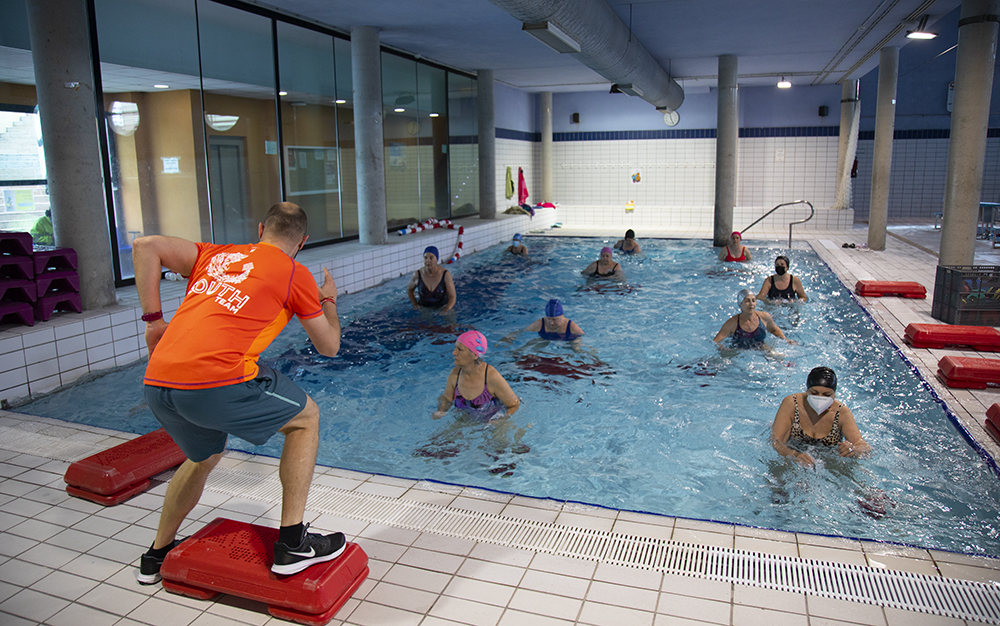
(965, 372)
(123, 471)
(17, 290)
(235, 558)
(993, 422)
(17, 267)
(18, 244)
(879, 288)
(48, 258)
(984, 338)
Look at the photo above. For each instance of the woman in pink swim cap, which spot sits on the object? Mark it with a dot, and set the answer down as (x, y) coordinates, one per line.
(604, 267)
(473, 386)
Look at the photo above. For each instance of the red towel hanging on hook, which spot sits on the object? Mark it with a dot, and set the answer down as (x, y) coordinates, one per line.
(522, 187)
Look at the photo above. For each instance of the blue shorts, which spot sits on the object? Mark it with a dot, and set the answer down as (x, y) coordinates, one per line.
(199, 420)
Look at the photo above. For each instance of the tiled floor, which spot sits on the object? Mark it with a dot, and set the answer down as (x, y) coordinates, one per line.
(65, 561)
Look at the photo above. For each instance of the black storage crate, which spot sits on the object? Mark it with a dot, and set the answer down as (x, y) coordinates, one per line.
(967, 294)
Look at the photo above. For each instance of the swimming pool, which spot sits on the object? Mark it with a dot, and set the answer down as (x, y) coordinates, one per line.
(649, 415)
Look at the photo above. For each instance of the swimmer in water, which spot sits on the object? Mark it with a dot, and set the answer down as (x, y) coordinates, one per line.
(735, 250)
(749, 327)
(432, 286)
(473, 386)
(782, 285)
(816, 418)
(604, 267)
(516, 247)
(628, 245)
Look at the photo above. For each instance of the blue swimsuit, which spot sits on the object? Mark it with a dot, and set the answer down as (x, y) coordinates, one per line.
(431, 299)
(554, 336)
(752, 338)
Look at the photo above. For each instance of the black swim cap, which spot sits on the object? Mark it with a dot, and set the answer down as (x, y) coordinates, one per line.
(630, 234)
(822, 377)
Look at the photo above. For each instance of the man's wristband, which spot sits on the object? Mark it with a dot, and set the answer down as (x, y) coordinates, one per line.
(323, 301)
(152, 317)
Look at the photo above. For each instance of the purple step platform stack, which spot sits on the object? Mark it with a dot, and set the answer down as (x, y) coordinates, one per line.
(35, 281)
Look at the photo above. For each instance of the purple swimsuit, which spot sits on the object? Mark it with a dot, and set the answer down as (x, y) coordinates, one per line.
(482, 406)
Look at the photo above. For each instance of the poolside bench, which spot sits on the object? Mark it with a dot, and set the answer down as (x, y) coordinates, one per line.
(966, 372)
(879, 288)
(235, 558)
(937, 336)
(123, 471)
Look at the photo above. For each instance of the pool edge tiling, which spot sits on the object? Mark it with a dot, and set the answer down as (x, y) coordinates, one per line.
(66, 561)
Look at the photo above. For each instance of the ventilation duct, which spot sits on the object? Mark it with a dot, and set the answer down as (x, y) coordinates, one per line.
(606, 45)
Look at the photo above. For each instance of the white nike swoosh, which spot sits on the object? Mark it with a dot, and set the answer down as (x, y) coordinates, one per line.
(310, 554)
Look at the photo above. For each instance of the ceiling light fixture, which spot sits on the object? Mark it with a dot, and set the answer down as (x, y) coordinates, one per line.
(433, 115)
(282, 93)
(552, 36)
(340, 101)
(161, 86)
(399, 109)
(630, 89)
(784, 84)
(920, 33)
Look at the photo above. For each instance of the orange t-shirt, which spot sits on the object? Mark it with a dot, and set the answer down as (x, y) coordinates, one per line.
(238, 299)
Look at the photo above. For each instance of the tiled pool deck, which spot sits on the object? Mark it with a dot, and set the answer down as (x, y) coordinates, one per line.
(65, 561)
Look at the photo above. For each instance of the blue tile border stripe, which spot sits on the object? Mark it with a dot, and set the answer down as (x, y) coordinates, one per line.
(709, 133)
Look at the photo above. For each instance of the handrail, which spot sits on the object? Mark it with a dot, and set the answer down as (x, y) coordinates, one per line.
(812, 212)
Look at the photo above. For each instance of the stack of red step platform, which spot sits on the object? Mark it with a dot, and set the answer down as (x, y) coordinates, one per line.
(993, 422)
(35, 281)
(879, 288)
(938, 336)
(966, 372)
(235, 558)
(123, 471)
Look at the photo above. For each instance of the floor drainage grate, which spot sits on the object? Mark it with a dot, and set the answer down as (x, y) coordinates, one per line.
(914, 592)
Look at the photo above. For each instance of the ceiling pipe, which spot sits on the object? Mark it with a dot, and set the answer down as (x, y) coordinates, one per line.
(606, 45)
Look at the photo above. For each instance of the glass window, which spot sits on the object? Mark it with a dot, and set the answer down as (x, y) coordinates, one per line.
(463, 145)
(432, 121)
(23, 193)
(400, 131)
(237, 61)
(153, 121)
(309, 127)
(345, 136)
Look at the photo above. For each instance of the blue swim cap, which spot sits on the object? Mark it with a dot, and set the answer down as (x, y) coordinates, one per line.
(553, 308)
(433, 251)
(517, 237)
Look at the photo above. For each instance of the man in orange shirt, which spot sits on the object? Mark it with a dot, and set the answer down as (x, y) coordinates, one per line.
(203, 381)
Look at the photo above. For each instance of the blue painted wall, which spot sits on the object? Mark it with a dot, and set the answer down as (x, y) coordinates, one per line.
(925, 70)
(514, 109)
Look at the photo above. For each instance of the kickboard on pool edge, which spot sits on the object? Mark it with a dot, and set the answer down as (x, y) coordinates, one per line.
(968, 372)
(235, 558)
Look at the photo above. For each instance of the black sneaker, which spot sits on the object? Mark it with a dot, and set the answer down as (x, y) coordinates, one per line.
(313, 549)
(149, 567)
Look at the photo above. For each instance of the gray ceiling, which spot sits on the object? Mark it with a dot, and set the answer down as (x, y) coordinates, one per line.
(807, 41)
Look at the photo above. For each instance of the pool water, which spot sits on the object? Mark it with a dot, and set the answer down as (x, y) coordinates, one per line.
(644, 413)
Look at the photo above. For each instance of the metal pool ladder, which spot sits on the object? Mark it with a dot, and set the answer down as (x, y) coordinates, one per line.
(812, 212)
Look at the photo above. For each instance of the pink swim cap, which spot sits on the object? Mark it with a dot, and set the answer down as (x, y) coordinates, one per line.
(737, 233)
(475, 341)
(606, 249)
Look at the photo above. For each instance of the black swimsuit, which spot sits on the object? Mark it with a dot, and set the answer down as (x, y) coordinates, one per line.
(788, 293)
(431, 299)
(597, 273)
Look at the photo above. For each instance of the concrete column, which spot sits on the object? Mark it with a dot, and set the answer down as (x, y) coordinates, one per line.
(727, 136)
(848, 106)
(885, 123)
(487, 145)
(977, 46)
(850, 112)
(546, 146)
(369, 149)
(67, 105)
